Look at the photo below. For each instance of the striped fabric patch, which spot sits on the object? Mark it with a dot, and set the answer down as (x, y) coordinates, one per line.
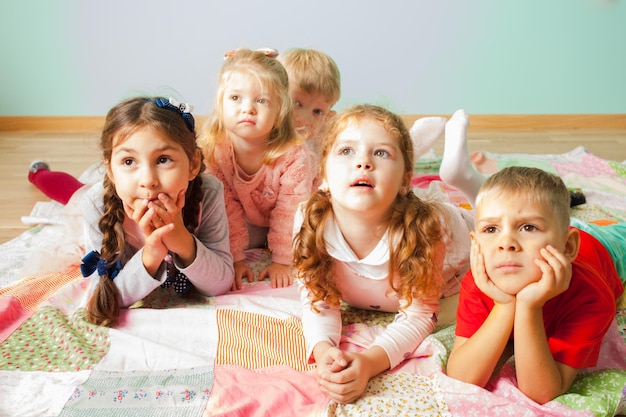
(256, 341)
(32, 291)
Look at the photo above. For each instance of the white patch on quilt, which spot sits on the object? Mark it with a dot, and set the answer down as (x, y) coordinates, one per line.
(152, 340)
(21, 392)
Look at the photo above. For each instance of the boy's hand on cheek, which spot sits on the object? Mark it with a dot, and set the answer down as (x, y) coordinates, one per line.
(482, 280)
(556, 274)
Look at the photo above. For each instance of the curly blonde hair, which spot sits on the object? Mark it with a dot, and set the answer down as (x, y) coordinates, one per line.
(272, 76)
(121, 122)
(415, 226)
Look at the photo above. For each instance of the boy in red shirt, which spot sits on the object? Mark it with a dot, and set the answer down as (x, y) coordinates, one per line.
(548, 287)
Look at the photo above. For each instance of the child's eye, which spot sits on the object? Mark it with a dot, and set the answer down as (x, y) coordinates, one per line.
(263, 101)
(528, 228)
(381, 153)
(234, 98)
(128, 162)
(164, 159)
(345, 151)
(318, 112)
(490, 229)
(297, 103)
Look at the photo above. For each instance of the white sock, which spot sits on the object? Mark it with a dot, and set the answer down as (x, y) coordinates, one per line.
(456, 168)
(425, 132)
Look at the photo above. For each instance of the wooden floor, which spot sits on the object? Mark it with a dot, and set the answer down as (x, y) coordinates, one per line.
(75, 151)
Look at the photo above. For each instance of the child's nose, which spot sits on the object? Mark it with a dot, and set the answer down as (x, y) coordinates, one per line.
(302, 119)
(363, 162)
(508, 243)
(247, 106)
(148, 178)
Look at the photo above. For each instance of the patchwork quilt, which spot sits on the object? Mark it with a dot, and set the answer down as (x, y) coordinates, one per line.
(243, 353)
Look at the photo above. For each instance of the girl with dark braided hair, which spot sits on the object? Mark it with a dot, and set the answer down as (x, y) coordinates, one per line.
(156, 219)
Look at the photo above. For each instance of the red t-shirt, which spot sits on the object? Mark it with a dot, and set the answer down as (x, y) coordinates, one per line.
(575, 320)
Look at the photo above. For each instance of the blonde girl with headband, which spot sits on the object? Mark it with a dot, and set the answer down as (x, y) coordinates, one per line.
(155, 219)
(366, 239)
(251, 145)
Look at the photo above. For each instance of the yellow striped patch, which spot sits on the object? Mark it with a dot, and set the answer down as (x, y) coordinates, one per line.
(256, 341)
(32, 291)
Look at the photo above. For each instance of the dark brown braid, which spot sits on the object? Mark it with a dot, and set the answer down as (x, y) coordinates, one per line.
(104, 307)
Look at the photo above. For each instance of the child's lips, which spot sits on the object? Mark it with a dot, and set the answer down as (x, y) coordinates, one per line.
(509, 266)
(362, 182)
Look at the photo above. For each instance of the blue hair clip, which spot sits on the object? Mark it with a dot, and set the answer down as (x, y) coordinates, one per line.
(184, 109)
(92, 262)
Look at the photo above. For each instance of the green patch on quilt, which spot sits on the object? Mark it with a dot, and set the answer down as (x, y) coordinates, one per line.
(175, 392)
(51, 341)
(372, 318)
(445, 335)
(598, 392)
(620, 169)
(427, 166)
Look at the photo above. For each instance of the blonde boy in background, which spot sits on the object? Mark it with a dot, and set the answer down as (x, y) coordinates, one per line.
(315, 87)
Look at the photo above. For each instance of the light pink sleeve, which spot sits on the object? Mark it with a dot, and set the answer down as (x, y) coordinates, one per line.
(224, 170)
(296, 175)
(324, 326)
(408, 330)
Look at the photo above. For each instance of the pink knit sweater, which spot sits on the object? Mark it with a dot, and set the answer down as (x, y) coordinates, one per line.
(268, 198)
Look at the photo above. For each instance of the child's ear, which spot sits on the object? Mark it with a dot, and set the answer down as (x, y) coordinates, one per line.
(406, 184)
(195, 164)
(572, 244)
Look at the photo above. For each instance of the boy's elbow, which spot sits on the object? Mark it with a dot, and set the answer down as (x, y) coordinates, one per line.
(468, 374)
(541, 395)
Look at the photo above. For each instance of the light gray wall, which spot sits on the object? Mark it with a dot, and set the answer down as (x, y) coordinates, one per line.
(80, 57)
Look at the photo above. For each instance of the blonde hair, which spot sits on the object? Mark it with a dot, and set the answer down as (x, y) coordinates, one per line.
(272, 77)
(415, 226)
(314, 72)
(121, 122)
(530, 184)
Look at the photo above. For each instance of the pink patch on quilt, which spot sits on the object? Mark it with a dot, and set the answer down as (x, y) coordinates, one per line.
(277, 391)
(589, 166)
(502, 397)
(21, 299)
(12, 315)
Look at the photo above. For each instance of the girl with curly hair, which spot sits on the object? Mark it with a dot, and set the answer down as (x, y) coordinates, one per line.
(365, 239)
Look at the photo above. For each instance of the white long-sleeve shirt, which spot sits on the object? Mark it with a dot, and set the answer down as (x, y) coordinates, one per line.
(211, 272)
(363, 283)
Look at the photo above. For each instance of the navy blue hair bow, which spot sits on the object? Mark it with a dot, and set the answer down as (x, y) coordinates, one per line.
(93, 261)
(184, 109)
